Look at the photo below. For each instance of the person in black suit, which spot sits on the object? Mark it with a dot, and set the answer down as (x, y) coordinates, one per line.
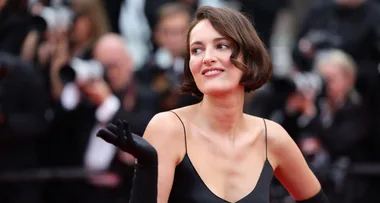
(136, 104)
(22, 122)
(335, 127)
(101, 100)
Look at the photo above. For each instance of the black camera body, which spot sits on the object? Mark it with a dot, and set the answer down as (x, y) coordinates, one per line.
(323, 39)
(300, 82)
(320, 40)
(79, 70)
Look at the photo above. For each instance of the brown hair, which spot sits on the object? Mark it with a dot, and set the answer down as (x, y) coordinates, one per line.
(97, 16)
(236, 27)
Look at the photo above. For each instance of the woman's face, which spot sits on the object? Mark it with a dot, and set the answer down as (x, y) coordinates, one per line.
(210, 62)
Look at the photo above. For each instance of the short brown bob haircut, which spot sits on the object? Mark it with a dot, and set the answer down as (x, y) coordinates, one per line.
(234, 26)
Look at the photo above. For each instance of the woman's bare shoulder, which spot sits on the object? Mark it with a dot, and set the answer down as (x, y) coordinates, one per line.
(164, 125)
(278, 140)
(170, 122)
(275, 132)
(165, 132)
(286, 158)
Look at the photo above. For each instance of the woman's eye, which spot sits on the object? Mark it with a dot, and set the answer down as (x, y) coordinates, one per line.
(196, 50)
(222, 46)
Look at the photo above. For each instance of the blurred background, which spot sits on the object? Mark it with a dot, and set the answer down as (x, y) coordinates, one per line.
(69, 67)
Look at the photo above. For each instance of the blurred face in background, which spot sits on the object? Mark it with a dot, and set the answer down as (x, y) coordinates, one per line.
(90, 23)
(110, 51)
(339, 82)
(118, 69)
(171, 33)
(81, 30)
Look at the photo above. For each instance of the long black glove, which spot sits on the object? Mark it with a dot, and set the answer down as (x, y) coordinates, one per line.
(145, 181)
(320, 197)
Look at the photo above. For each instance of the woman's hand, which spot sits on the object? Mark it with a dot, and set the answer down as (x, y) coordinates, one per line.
(145, 182)
(121, 136)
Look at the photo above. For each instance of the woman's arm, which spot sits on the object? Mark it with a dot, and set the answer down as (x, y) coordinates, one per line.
(291, 168)
(165, 134)
(157, 154)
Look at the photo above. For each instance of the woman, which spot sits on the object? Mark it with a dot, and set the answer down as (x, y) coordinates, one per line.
(211, 151)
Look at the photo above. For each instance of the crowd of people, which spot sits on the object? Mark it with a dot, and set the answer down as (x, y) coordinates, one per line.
(68, 68)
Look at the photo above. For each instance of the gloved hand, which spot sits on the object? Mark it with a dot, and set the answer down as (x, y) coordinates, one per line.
(146, 173)
(121, 136)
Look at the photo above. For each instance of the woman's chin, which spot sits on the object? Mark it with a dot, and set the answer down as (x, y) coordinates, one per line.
(218, 91)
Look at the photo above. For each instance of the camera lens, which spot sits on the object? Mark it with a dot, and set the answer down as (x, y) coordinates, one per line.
(67, 74)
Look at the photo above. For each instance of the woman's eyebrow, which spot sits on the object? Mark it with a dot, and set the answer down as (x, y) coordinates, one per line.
(214, 40)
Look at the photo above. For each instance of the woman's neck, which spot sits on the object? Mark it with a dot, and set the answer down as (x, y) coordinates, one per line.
(222, 114)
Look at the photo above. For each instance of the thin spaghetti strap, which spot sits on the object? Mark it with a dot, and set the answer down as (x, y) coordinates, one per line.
(266, 139)
(184, 130)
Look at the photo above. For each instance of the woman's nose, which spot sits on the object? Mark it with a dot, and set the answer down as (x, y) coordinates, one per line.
(209, 57)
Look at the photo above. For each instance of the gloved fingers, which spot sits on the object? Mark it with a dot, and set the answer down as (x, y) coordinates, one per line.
(120, 127)
(126, 127)
(108, 136)
(113, 128)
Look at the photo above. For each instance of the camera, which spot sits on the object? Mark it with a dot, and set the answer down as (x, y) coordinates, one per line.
(80, 70)
(56, 16)
(323, 39)
(300, 82)
(319, 40)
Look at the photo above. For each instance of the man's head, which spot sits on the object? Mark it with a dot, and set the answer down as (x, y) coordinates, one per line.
(339, 70)
(170, 31)
(111, 52)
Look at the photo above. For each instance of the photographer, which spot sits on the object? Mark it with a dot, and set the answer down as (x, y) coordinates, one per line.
(354, 27)
(136, 104)
(325, 116)
(349, 25)
(333, 127)
(96, 92)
